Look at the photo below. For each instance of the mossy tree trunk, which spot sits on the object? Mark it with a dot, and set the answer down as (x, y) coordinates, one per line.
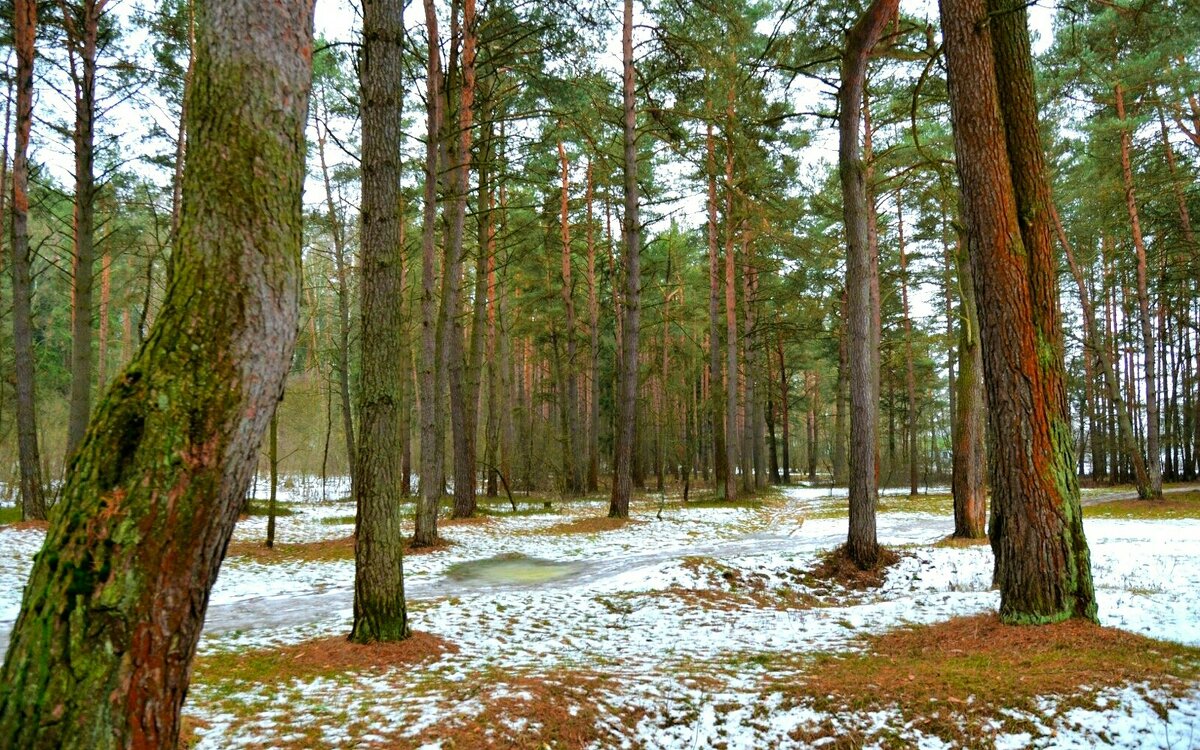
(100, 653)
(379, 608)
(862, 543)
(1042, 564)
(33, 502)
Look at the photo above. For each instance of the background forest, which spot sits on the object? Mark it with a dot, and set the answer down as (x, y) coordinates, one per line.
(743, 260)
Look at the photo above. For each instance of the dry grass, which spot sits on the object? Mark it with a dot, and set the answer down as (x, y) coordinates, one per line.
(26, 525)
(954, 678)
(589, 525)
(959, 542)
(319, 657)
(326, 550)
(189, 735)
(836, 567)
(542, 711)
(472, 521)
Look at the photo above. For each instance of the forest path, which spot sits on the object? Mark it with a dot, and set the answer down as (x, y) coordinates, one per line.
(1116, 495)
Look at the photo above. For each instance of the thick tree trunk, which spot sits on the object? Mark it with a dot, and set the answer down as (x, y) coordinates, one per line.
(632, 231)
(969, 460)
(379, 609)
(105, 300)
(1153, 451)
(862, 544)
(841, 398)
(82, 31)
(1042, 564)
(431, 397)
(99, 656)
(33, 501)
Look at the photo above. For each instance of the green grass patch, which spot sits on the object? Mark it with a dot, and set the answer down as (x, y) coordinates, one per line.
(938, 503)
(1174, 505)
(260, 507)
(337, 520)
(10, 514)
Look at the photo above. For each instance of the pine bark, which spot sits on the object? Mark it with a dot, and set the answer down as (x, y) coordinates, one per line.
(968, 482)
(1042, 565)
(631, 304)
(82, 33)
(862, 543)
(721, 467)
(99, 656)
(379, 608)
(431, 409)
(33, 501)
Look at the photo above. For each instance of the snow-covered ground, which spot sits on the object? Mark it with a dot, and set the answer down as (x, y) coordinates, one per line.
(637, 604)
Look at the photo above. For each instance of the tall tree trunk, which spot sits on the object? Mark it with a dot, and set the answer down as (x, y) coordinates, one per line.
(379, 609)
(786, 415)
(632, 231)
(862, 543)
(910, 378)
(1042, 564)
(431, 397)
(570, 390)
(100, 655)
(1153, 451)
(33, 501)
(840, 397)
(82, 32)
(593, 430)
(463, 433)
(343, 301)
(969, 460)
(731, 327)
(721, 468)
(1092, 340)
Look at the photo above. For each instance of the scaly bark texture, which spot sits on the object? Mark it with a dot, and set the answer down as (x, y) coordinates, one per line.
(862, 543)
(33, 501)
(1042, 563)
(99, 656)
(632, 230)
(379, 609)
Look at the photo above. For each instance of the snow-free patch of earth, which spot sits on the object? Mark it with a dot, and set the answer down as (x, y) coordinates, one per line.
(673, 619)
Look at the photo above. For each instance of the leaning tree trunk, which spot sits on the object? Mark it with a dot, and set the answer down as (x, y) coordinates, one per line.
(862, 543)
(100, 654)
(631, 304)
(379, 609)
(33, 502)
(1042, 563)
(969, 460)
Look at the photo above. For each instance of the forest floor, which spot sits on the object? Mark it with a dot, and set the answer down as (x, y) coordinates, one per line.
(690, 626)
